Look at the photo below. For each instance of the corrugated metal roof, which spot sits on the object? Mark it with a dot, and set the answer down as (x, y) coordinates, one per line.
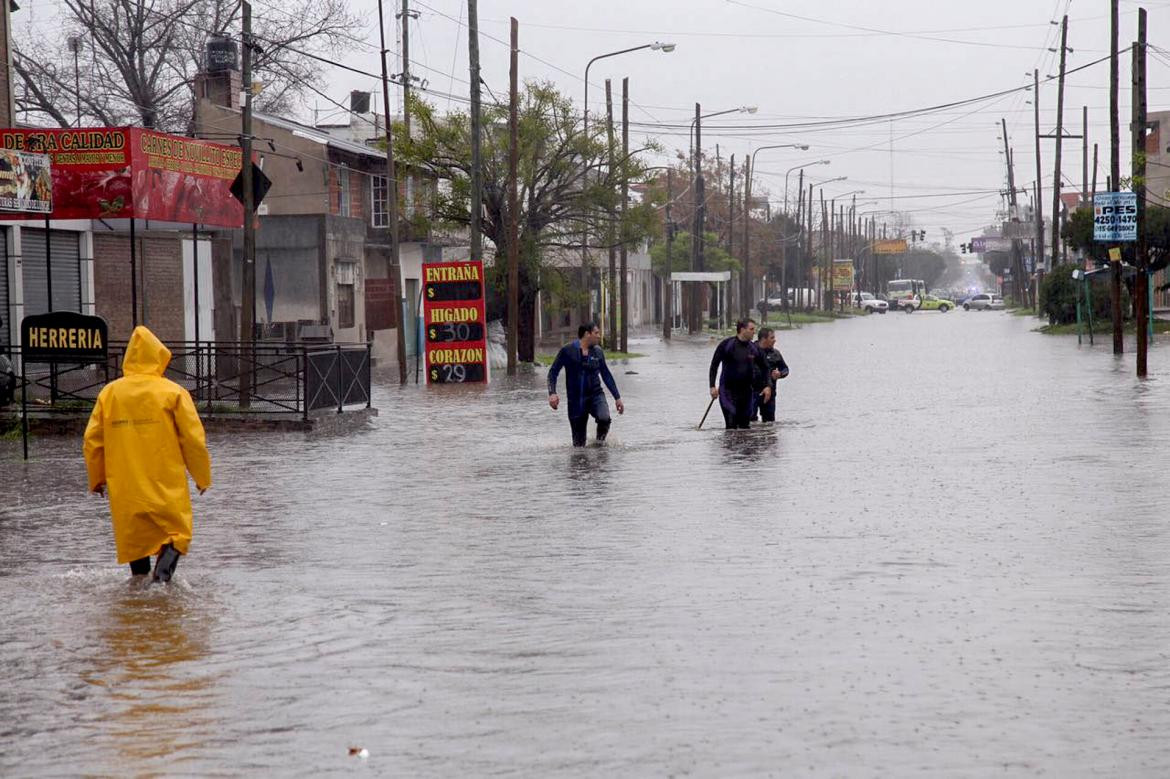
(316, 136)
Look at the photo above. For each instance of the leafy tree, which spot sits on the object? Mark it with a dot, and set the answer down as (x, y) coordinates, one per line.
(717, 259)
(139, 58)
(567, 189)
(1078, 232)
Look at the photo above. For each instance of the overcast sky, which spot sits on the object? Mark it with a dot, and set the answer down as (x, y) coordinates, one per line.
(809, 60)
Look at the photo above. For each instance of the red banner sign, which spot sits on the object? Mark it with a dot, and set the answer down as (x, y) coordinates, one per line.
(129, 172)
(454, 322)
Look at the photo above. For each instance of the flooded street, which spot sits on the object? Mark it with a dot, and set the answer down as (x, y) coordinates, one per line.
(950, 557)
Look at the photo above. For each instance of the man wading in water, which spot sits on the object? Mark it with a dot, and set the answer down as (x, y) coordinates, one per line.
(777, 369)
(745, 372)
(585, 369)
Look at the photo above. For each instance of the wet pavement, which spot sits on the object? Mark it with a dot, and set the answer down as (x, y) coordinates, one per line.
(950, 557)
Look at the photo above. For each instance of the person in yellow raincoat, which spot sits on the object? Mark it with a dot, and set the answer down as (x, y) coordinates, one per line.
(142, 439)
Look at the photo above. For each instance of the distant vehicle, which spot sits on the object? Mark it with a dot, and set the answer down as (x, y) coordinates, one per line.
(871, 304)
(902, 292)
(932, 303)
(773, 304)
(983, 302)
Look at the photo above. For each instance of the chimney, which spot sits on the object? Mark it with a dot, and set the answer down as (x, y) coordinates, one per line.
(359, 102)
(220, 82)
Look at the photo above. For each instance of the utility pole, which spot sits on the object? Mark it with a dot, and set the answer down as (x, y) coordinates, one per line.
(745, 304)
(1084, 153)
(1017, 264)
(811, 256)
(393, 268)
(731, 220)
(668, 285)
(406, 98)
(1115, 173)
(1141, 289)
(476, 204)
(799, 245)
(625, 342)
(248, 301)
(611, 334)
(1056, 210)
(513, 199)
(697, 228)
(1038, 250)
(731, 210)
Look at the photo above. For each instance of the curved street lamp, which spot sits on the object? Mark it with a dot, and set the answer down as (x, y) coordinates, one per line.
(656, 46)
(747, 209)
(797, 167)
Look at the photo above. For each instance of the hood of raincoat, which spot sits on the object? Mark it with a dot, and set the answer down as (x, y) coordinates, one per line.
(145, 354)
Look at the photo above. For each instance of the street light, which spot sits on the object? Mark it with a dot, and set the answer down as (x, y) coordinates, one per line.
(743, 109)
(747, 210)
(656, 46)
(797, 167)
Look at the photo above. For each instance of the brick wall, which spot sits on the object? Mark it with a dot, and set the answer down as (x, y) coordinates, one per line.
(359, 191)
(160, 284)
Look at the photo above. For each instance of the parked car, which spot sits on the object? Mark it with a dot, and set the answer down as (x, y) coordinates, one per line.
(909, 305)
(870, 304)
(984, 302)
(933, 303)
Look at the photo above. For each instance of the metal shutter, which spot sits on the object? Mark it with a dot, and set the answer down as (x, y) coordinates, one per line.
(6, 328)
(66, 271)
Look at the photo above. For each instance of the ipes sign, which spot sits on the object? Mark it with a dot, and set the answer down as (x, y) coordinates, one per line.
(63, 336)
(1115, 217)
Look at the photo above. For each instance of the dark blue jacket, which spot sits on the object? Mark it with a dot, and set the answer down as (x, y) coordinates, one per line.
(583, 376)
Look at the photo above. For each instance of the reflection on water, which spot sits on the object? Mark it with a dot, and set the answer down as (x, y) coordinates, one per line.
(150, 641)
(948, 557)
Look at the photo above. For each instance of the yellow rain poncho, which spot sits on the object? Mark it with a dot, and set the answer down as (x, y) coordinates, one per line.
(143, 436)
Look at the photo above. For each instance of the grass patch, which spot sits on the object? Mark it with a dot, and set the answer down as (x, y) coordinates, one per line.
(547, 359)
(1100, 327)
(1021, 310)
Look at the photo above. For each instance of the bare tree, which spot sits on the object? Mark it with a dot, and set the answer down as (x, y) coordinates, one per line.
(139, 58)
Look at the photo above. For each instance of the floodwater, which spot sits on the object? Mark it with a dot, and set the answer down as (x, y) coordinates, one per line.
(950, 558)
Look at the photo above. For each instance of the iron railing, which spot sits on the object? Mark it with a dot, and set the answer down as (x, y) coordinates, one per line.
(222, 377)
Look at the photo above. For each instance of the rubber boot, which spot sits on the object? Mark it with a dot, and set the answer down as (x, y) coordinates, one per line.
(140, 567)
(164, 566)
(603, 429)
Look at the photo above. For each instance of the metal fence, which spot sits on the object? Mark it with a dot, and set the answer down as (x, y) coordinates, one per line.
(222, 377)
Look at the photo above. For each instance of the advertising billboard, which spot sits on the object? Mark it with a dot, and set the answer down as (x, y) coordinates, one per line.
(129, 172)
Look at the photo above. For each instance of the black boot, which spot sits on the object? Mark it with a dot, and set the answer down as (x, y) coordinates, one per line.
(164, 566)
(603, 428)
(140, 567)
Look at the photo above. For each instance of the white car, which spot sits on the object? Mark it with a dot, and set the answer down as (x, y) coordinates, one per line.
(984, 302)
(870, 304)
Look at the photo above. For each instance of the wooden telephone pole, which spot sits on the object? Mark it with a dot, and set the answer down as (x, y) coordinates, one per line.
(1141, 285)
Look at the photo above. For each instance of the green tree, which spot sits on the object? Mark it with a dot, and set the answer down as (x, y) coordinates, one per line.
(1078, 233)
(567, 189)
(717, 259)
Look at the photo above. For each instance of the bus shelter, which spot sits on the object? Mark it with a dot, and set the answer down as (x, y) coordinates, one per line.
(696, 284)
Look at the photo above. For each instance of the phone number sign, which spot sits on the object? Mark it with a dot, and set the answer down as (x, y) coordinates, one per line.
(454, 322)
(1115, 216)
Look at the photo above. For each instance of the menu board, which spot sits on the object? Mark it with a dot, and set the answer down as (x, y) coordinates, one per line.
(454, 322)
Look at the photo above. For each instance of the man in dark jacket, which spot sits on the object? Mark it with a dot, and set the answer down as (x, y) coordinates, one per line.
(585, 369)
(744, 373)
(777, 369)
